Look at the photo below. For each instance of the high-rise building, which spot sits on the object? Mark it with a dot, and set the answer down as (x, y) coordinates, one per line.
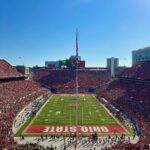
(142, 54)
(112, 64)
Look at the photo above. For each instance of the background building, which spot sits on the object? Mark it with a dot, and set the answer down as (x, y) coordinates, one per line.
(24, 70)
(112, 64)
(65, 64)
(72, 62)
(140, 55)
(52, 64)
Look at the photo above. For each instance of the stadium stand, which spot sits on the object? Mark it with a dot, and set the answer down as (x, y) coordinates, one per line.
(140, 70)
(132, 98)
(8, 71)
(64, 80)
(14, 96)
(129, 96)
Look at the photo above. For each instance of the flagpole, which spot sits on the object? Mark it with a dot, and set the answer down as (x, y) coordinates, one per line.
(76, 88)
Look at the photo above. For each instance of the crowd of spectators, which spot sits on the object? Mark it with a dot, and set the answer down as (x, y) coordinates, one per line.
(27, 112)
(92, 142)
(7, 70)
(65, 80)
(14, 96)
(31, 146)
(132, 98)
(140, 70)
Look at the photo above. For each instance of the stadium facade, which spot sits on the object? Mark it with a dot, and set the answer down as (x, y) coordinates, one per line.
(142, 54)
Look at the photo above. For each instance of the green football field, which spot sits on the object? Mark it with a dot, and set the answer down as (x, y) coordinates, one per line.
(59, 114)
(61, 110)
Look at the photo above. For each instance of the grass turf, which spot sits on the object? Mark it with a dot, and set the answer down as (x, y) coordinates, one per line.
(61, 110)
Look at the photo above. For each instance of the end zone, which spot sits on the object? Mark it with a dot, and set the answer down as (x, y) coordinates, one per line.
(108, 129)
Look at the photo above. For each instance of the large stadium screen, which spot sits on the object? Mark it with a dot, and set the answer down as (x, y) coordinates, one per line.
(64, 62)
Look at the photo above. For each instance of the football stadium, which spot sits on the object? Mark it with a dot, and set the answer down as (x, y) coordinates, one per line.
(73, 102)
(74, 108)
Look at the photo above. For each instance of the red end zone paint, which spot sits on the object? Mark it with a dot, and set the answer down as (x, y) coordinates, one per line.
(109, 129)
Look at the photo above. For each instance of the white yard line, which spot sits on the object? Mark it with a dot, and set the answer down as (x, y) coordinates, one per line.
(37, 114)
(112, 116)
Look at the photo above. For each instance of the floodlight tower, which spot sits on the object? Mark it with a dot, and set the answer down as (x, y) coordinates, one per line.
(76, 88)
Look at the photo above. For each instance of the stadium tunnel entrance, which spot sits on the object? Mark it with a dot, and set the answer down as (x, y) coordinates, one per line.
(54, 90)
(91, 90)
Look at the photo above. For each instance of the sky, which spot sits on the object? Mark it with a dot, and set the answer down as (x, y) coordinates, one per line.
(33, 31)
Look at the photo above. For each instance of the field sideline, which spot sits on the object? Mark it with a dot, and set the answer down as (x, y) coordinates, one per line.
(58, 116)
